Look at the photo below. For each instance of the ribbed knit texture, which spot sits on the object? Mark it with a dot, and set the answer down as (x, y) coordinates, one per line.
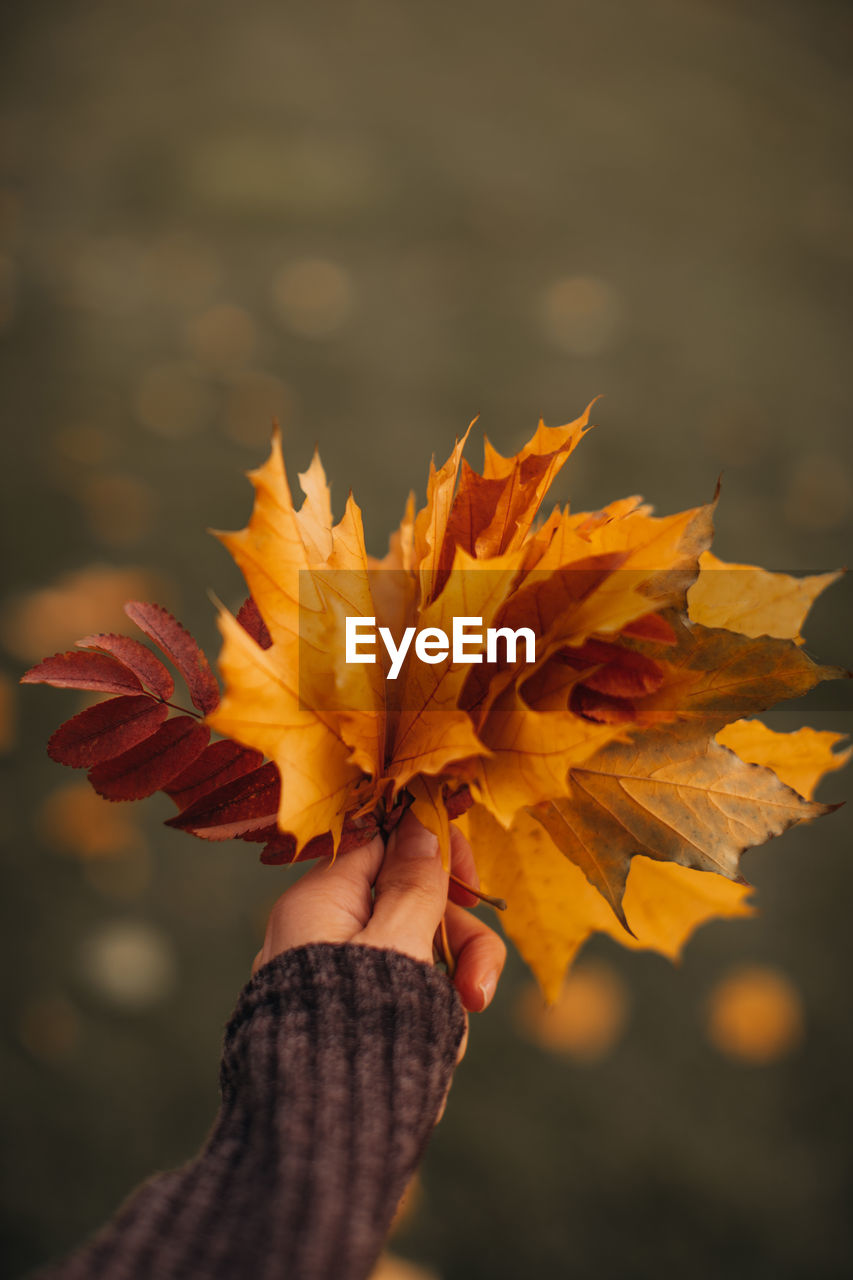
(335, 1064)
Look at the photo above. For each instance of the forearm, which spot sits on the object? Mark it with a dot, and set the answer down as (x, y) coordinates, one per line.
(335, 1065)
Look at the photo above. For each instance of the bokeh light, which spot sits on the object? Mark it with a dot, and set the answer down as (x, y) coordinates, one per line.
(85, 601)
(174, 400)
(587, 1020)
(129, 964)
(314, 298)
(755, 1015)
(222, 337)
(49, 1028)
(254, 401)
(120, 509)
(75, 820)
(581, 314)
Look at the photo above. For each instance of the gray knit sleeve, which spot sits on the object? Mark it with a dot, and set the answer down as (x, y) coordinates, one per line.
(335, 1064)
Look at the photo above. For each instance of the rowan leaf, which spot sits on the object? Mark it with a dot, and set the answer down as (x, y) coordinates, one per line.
(106, 730)
(142, 662)
(179, 646)
(243, 804)
(219, 763)
(151, 764)
(280, 846)
(79, 670)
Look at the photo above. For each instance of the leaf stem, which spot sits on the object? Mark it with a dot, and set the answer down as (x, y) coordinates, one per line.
(499, 904)
(196, 715)
(442, 946)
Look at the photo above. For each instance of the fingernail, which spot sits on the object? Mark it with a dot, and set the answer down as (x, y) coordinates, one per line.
(417, 842)
(488, 987)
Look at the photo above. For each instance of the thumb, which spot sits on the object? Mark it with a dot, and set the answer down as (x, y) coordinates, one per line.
(410, 894)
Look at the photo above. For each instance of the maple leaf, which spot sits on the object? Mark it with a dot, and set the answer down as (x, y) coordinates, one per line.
(800, 758)
(552, 908)
(673, 795)
(608, 780)
(753, 601)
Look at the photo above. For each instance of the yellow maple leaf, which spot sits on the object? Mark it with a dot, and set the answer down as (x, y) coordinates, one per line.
(754, 601)
(552, 908)
(800, 758)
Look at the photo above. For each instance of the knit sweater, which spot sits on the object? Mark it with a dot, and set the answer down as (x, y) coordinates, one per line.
(335, 1064)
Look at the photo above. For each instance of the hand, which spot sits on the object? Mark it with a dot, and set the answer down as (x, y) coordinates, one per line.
(393, 897)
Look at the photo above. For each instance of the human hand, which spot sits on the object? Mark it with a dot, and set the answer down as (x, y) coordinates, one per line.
(393, 897)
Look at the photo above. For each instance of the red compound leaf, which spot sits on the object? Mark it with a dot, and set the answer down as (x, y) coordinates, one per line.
(219, 763)
(246, 804)
(178, 645)
(250, 620)
(75, 670)
(153, 763)
(281, 845)
(280, 848)
(145, 664)
(106, 730)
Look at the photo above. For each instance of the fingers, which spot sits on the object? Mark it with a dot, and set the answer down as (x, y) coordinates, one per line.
(480, 955)
(334, 902)
(411, 893)
(330, 903)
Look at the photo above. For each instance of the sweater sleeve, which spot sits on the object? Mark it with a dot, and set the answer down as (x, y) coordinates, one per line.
(335, 1064)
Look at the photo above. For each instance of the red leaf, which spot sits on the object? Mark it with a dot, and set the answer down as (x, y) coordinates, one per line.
(245, 804)
(281, 848)
(622, 673)
(250, 620)
(603, 708)
(177, 643)
(281, 845)
(651, 627)
(138, 657)
(75, 670)
(148, 766)
(219, 763)
(103, 731)
(457, 802)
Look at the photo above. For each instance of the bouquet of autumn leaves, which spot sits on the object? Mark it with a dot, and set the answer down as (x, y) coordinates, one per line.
(612, 784)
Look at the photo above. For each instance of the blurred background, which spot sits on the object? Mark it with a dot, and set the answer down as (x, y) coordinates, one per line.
(375, 220)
